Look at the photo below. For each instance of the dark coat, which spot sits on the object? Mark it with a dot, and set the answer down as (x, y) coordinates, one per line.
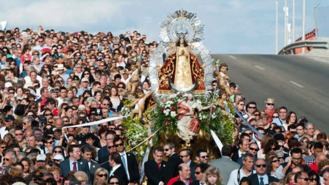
(254, 179)
(133, 168)
(120, 173)
(153, 172)
(65, 167)
(171, 169)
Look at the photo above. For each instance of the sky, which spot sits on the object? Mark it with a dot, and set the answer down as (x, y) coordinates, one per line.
(231, 26)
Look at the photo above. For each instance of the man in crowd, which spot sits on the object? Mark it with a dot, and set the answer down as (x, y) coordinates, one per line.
(261, 177)
(244, 171)
(154, 168)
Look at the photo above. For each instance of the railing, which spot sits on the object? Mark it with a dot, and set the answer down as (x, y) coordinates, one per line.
(289, 49)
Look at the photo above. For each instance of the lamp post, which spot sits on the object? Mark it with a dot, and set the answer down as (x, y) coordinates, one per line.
(293, 21)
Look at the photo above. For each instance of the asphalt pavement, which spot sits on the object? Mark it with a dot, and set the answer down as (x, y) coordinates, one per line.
(299, 83)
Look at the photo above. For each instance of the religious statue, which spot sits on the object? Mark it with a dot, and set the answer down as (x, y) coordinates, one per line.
(181, 71)
(188, 125)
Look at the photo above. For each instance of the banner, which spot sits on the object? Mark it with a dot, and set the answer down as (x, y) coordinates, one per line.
(217, 140)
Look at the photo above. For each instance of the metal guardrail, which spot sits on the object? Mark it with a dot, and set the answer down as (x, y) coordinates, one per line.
(289, 49)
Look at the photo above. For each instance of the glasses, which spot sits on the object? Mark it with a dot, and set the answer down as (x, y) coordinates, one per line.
(101, 175)
(270, 104)
(305, 179)
(6, 159)
(254, 149)
(203, 157)
(182, 156)
(166, 149)
(274, 161)
(58, 151)
(261, 165)
(111, 146)
(114, 182)
(119, 144)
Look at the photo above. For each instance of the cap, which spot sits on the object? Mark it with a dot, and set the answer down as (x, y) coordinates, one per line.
(269, 100)
(59, 157)
(9, 118)
(41, 157)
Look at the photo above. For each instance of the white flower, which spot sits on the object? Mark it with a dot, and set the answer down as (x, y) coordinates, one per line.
(166, 112)
(213, 115)
(173, 114)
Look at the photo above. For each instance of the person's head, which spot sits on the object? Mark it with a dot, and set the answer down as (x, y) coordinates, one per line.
(300, 129)
(318, 148)
(212, 176)
(114, 159)
(274, 162)
(260, 166)
(169, 149)
(82, 177)
(301, 178)
(251, 107)
(296, 156)
(202, 156)
(9, 158)
(114, 180)
(248, 161)
(244, 145)
(87, 152)
(245, 181)
(283, 113)
(119, 144)
(309, 129)
(101, 175)
(109, 136)
(314, 178)
(325, 175)
(185, 155)
(253, 148)
(158, 155)
(200, 170)
(184, 171)
(227, 150)
(74, 152)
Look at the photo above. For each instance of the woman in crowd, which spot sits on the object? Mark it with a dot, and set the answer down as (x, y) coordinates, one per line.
(101, 176)
(212, 176)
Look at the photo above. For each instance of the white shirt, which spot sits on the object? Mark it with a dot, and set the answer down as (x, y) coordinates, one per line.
(265, 178)
(71, 165)
(114, 168)
(233, 179)
(125, 163)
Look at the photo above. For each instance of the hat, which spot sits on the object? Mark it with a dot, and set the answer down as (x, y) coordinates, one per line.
(7, 108)
(9, 118)
(59, 157)
(85, 80)
(41, 157)
(60, 67)
(269, 100)
(19, 183)
(8, 84)
(20, 109)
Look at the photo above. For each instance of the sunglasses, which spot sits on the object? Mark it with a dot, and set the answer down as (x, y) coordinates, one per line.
(274, 161)
(101, 175)
(57, 151)
(197, 173)
(114, 182)
(270, 104)
(254, 149)
(203, 157)
(305, 179)
(120, 144)
(182, 156)
(261, 165)
(251, 107)
(166, 149)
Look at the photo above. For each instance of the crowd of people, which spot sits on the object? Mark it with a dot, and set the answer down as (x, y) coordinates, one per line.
(50, 80)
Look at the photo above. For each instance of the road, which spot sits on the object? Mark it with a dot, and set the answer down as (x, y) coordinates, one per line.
(299, 83)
